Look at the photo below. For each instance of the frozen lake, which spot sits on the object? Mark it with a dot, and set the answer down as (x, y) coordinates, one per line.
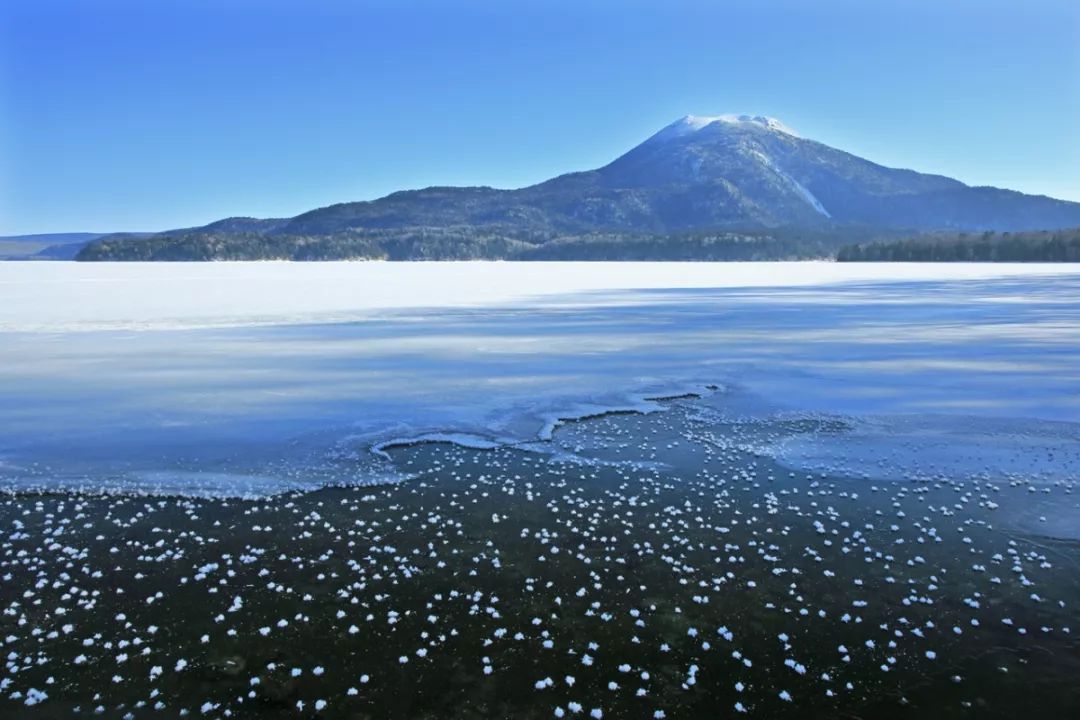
(867, 508)
(234, 378)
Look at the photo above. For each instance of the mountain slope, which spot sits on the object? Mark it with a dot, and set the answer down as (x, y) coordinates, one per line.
(746, 174)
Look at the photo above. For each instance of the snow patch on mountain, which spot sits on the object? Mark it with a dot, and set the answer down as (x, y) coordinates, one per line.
(797, 186)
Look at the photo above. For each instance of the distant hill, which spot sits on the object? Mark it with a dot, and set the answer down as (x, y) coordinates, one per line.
(700, 177)
(23, 247)
(52, 238)
(53, 246)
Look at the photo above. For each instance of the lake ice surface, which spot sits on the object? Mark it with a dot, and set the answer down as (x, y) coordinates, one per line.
(252, 378)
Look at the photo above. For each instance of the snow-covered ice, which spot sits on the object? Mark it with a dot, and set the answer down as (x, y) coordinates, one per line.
(68, 296)
(206, 378)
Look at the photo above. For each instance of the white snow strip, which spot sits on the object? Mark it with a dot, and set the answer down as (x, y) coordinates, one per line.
(641, 403)
(68, 296)
(795, 184)
(465, 440)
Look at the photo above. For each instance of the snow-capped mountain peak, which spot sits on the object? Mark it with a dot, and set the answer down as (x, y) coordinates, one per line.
(693, 123)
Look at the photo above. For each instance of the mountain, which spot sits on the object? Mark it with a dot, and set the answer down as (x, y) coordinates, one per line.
(30, 247)
(720, 181)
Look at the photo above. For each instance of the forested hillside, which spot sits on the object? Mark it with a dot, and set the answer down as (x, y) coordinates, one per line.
(469, 244)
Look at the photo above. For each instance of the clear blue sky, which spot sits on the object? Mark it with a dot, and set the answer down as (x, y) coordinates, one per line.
(152, 114)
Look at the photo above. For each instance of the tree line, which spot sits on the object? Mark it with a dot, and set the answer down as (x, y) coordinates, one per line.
(463, 243)
(1039, 246)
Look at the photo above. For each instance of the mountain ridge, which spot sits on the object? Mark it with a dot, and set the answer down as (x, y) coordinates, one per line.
(724, 174)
